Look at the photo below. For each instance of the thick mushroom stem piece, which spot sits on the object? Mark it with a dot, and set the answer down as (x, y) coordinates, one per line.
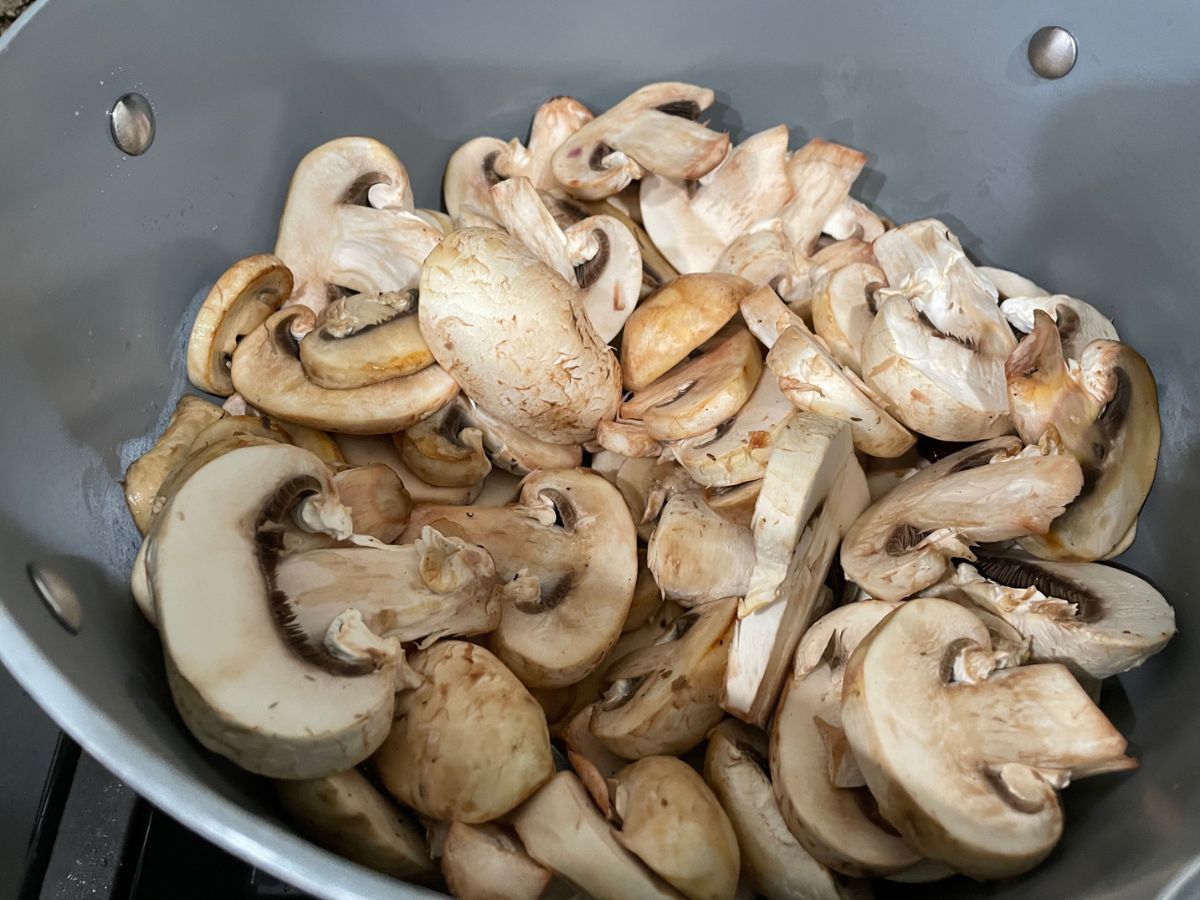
(812, 491)
(247, 685)
(654, 129)
(348, 223)
(996, 490)
(539, 364)
(965, 760)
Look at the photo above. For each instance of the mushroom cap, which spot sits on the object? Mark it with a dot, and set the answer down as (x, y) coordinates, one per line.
(627, 438)
(843, 307)
(434, 761)
(379, 503)
(538, 365)
(696, 555)
(248, 291)
(364, 450)
(1078, 323)
(487, 862)
(967, 770)
(445, 449)
(735, 503)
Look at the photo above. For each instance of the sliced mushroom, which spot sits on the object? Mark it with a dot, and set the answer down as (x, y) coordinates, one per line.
(654, 129)
(697, 555)
(675, 320)
(249, 291)
(1078, 323)
(320, 443)
(993, 491)
(538, 365)
(563, 831)
(843, 307)
(487, 862)
(1094, 619)
(937, 346)
(246, 685)
(363, 339)
(821, 173)
(854, 220)
(500, 488)
(572, 543)
(692, 222)
(267, 371)
(665, 697)
(773, 862)
(628, 438)
(444, 449)
(434, 759)
(592, 761)
(1010, 284)
(344, 813)
(348, 224)
(765, 257)
(378, 502)
(967, 766)
(647, 596)
(666, 814)
(1106, 413)
(364, 450)
(812, 491)
(735, 503)
(519, 453)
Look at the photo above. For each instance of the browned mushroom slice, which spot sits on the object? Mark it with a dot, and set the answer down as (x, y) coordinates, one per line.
(378, 502)
(364, 450)
(735, 503)
(484, 862)
(444, 449)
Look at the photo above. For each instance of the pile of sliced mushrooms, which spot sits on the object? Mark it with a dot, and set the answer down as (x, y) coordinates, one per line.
(657, 521)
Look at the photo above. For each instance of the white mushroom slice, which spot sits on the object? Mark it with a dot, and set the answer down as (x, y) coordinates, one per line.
(674, 321)
(364, 450)
(735, 503)
(487, 862)
(1095, 619)
(737, 450)
(537, 365)
(765, 257)
(821, 173)
(468, 180)
(665, 698)
(701, 392)
(1106, 414)
(668, 816)
(267, 371)
(1078, 323)
(853, 220)
(519, 453)
(436, 759)
(843, 307)
(438, 219)
(885, 474)
(692, 222)
(444, 449)
(571, 542)
(993, 491)
(937, 346)
(563, 831)
(696, 555)
(348, 222)
(840, 826)
(773, 863)
(378, 502)
(813, 380)
(647, 597)
(813, 489)
(361, 340)
(238, 681)
(651, 130)
(627, 438)
(500, 488)
(967, 770)
(249, 291)
(317, 442)
(1010, 284)
(646, 484)
(346, 814)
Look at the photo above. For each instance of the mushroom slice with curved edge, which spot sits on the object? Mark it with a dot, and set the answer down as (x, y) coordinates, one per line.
(627, 438)
(1010, 284)
(444, 449)
(646, 484)
(735, 503)
(812, 490)
(813, 380)
(993, 491)
(664, 698)
(654, 129)
(344, 813)
(773, 862)
(647, 597)
(843, 307)
(593, 762)
(571, 546)
(267, 371)
(487, 862)
(854, 220)
(563, 831)
(1094, 619)
(348, 223)
(1078, 323)
(319, 443)
(1106, 414)
(936, 348)
(965, 762)
(692, 222)
(241, 300)
(361, 340)
(538, 365)
(667, 815)
(764, 257)
(378, 502)
(515, 451)
(701, 392)
(434, 759)
(696, 555)
(246, 685)
(365, 450)
(840, 826)
(500, 488)
(821, 173)
(147, 473)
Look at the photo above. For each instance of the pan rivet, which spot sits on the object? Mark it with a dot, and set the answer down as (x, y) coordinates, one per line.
(58, 596)
(131, 121)
(1052, 51)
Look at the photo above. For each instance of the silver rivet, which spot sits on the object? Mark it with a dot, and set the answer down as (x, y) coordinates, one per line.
(60, 598)
(1052, 51)
(131, 121)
